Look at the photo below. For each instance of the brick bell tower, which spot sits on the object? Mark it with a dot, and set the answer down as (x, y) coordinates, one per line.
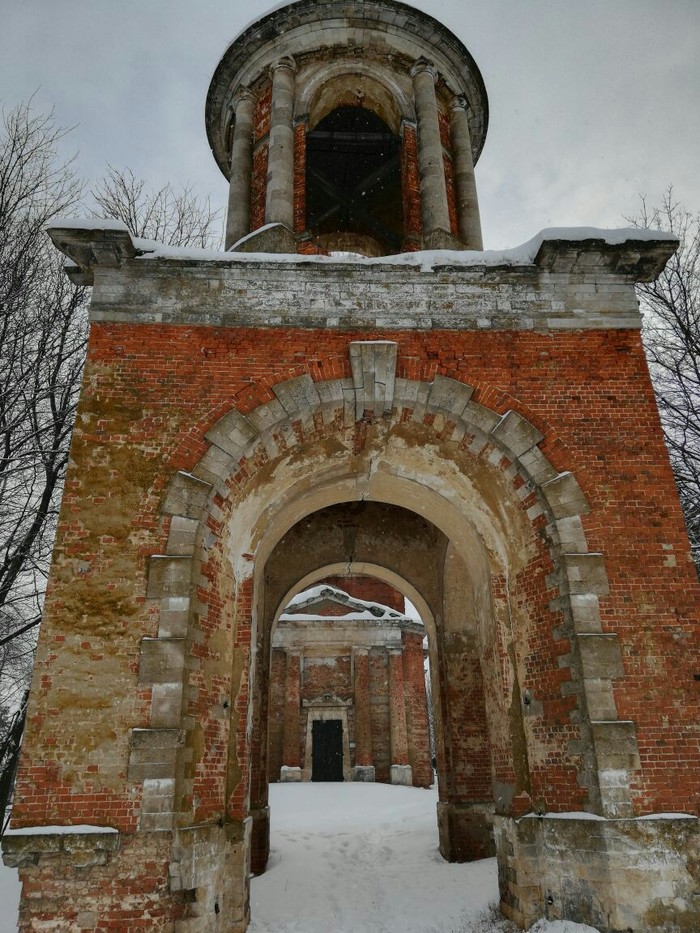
(338, 137)
(354, 388)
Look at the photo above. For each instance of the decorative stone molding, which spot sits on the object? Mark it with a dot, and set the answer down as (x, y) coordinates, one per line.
(374, 375)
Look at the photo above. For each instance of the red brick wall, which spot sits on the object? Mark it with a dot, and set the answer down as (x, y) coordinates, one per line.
(416, 710)
(300, 177)
(379, 705)
(261, 132)
(589, 394)
(410, 184)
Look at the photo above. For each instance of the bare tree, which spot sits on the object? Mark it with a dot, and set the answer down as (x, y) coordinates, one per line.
(177, 218)
(43, 332)
(41, 352)
(671, 331)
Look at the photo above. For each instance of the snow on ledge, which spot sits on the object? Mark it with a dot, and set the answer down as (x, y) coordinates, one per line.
(59, 830)
(426, 260)
(584, 815)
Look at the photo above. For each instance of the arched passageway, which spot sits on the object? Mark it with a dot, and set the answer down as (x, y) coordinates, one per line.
(447, 507)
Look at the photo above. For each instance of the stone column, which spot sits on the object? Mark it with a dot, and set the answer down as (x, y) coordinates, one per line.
(364, 762)
(238, 215)
(435, 213)
(465, 183)
(279, 205)
(291, 755)
(400, 768)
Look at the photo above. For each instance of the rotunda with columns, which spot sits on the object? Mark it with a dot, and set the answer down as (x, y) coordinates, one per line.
(359, 132)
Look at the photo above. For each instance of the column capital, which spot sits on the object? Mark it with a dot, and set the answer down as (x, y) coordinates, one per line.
(241, 95)
(459, 102)
(359, 649)
(286, 62)
(423, 66)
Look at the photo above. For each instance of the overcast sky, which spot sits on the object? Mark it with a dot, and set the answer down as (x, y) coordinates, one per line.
(592, 102)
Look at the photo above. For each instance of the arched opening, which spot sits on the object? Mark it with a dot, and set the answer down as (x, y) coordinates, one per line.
(410, 548)
(353, 183)
(461, 528)
(330, 710)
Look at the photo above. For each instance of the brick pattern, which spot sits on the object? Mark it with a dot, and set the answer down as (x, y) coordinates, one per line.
(259, 186)
(576, 400)
(451, 194)
(300, 177)
(410, 187)
(585, 433)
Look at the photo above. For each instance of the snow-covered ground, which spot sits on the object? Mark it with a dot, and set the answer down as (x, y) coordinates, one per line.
(363, 858)
(358, 858)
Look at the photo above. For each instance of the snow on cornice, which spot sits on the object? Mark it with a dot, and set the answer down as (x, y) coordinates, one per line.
(638, 252)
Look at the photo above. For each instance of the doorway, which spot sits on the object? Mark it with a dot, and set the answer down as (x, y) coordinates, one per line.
(327, 750)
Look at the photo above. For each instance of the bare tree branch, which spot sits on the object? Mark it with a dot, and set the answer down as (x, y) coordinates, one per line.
(671, 331)
(176, 218)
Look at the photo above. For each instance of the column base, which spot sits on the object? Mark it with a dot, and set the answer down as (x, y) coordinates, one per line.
(612, 875)
(272, 238)
(402, 774)
(442, 239)
(466, 831)
(289, 775)
(363, 773)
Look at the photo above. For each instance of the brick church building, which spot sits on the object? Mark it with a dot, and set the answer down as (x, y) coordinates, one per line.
(355, 388)
(347, 688)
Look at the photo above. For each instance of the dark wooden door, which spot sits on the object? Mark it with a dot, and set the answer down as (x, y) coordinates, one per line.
(327, 750)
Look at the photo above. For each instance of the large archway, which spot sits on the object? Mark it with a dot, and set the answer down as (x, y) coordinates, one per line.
(497, 541)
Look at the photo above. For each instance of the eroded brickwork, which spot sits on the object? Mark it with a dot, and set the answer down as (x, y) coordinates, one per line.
(144, 416)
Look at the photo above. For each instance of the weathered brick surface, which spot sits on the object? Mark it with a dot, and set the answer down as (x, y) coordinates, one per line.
(410, 185)
(144, 415)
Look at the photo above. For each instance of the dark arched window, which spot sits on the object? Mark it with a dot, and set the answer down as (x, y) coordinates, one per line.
(353, 182)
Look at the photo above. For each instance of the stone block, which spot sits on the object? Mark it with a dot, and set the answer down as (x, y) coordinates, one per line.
(616, 745)
(538, 467)
(267, 416)
(168, 576)
(449, 395)
(516, 434)
(564, 496)
(186, 496)
(162, 660)
(480, 417)
(585, 609)
(232, 433)
(601, 657)
(401, 774)
(572, 538)
(298, 396)
(166, 705)
(174, 616)
(373, 364)
(585, 573)
(600, 699)
(153, 754)
(216, 465)
(182, 535)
